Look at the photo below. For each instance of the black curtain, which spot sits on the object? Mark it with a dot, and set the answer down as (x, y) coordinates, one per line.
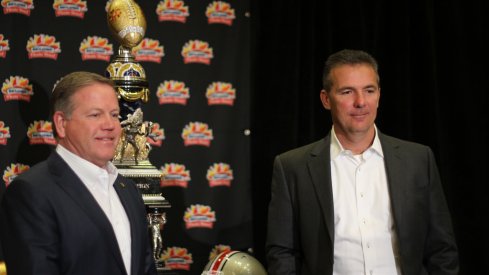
(433, 69)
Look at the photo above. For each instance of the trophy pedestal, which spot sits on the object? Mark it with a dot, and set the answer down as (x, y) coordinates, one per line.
(146, 176)
(148, 179)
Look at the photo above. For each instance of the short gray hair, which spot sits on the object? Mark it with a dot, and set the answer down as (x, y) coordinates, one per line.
(346, 57)
(67, 86)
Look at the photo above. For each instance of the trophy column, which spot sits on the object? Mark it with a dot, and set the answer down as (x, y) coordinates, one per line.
(128, 25)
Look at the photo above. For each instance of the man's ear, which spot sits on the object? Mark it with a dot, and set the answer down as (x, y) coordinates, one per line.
(378, 99)
(325, 99)
(59, 120)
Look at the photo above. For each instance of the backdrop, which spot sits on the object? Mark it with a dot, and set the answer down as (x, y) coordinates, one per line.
(433, 69)
(196, 55)
(432, 57)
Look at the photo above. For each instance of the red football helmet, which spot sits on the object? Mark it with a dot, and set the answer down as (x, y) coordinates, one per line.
(234, 263)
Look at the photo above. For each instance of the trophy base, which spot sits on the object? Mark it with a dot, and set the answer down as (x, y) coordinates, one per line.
(146, 176)
(148, 180)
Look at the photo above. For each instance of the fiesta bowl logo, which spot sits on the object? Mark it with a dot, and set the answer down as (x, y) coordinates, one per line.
(197, 133)
(218, 249)
(17, 88)
(156, 135)
(220, 93)
(172, 10)
(198, 215)
(175, 174)
(43, 46)
(177, 258)
(13, 171)
(21, 6)
(220, 12)
(41, 132)
(219, 174)
(73, 8)
(173, 92)
(4, 133)
(4, 46)
(148, 50)
(94, 47)
(196, 51)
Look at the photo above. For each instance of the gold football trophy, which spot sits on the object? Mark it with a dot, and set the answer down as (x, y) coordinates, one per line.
(127, 23)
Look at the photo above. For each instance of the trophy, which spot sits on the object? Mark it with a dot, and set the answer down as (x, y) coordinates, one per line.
(127, 23)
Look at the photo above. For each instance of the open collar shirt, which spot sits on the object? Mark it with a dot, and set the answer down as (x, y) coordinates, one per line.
(365, 241)
(99, 181)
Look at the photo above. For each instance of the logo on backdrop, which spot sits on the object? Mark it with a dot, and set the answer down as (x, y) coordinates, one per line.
(197, 133)
(4, 46)
(4, 133)
(199, 216)
(41, 132)
(13, 171)
(172, 10)
(156, 135)
(17, 88)
(175, 174)
(21, 6)
(177, 258)
(148, 50)
(43, 46)
(196, 51)
(96, 48)
(219, 174)
(173, 92)
(220, 93)
(218, 249)
(73, 8)
(219, 12)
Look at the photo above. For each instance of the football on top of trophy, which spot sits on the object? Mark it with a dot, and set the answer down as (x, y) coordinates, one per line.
(126, 21)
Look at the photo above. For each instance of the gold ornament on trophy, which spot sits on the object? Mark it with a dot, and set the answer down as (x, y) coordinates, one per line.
(127, 23)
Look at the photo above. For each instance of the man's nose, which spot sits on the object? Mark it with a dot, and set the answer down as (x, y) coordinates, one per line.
(359, 100)
(110, 122)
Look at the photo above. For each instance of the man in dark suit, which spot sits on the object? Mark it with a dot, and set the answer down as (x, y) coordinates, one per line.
(358, 201)
(73, 213)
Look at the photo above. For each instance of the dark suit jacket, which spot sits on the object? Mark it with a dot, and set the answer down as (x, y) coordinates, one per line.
(51, 224)
(301, 224)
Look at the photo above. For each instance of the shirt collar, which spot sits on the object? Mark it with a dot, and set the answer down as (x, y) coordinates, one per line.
(337, 149)
(88, 172)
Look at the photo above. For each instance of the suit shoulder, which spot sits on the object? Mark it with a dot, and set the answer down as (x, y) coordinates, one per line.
(404, 145)
(303, 152)
(35, 173)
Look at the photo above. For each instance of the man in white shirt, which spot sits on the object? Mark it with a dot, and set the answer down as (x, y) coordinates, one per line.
(73, 213)
(358, 201)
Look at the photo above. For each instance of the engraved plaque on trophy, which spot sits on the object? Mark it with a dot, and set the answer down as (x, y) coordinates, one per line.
(127, 23)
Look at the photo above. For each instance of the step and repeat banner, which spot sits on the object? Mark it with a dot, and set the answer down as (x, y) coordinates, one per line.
(196, 54)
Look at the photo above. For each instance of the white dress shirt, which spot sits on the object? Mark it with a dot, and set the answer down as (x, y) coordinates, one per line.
(100, 182)
(365, 240)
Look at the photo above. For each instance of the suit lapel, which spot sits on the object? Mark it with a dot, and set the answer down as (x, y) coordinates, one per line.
(123, 191)
(320, 171)
(78, 192)
(394, 171)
